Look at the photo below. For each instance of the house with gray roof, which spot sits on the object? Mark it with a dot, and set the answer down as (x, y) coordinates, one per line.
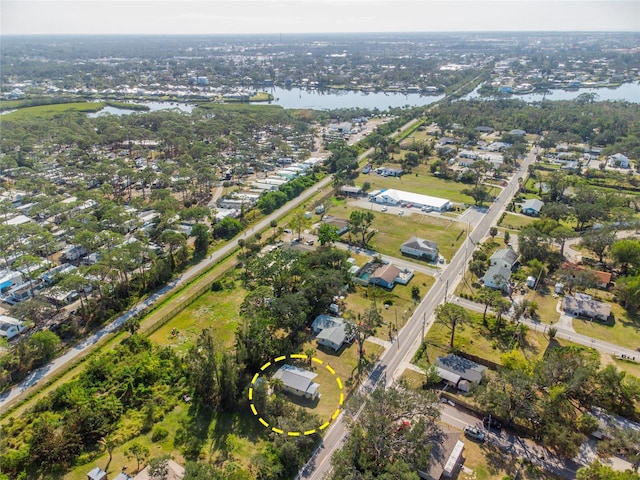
(582, 305)
(532, 207)
(420, 248)
(333, 337)
(459, 371)
(298, 381)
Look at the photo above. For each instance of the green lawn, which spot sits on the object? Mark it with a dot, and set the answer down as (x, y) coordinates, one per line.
(393, 230)
(421, 180)
(476, 339)
(52, 110)
(401, 304)
(516, 222)
(625, 330)
(212, 309)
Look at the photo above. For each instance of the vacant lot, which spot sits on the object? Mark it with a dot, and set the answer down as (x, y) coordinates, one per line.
(421, 180)
(392, 230)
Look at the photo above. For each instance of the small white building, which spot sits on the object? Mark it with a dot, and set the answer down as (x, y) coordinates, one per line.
(618, 161)
(10, 327)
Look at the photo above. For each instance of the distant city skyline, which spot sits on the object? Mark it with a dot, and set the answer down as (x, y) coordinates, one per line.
(313, 16)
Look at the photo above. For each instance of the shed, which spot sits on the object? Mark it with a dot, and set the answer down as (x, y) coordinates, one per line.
(97, 474)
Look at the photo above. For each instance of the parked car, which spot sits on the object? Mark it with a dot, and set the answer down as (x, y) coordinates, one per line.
(309, 242)
(490, 422)
(401, 212)
(474, 433)
(383, 209)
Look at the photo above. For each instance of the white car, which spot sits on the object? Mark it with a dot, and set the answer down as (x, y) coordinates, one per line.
(401, 212)
(383, 209)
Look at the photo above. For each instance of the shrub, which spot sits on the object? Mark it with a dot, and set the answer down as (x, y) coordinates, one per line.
(159, 433)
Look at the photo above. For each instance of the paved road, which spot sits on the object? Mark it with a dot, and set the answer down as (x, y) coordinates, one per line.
(18, 392)
(389, 367)
(563, 332)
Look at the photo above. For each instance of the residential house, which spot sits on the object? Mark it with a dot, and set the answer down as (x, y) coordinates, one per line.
(175, 471)
(484, 129)
(420, 248)
(10, 327)
(390, 171)
(532, 207)
(618, 161)
(350, 191)
(333, 337)
(459, 371)
(388, 275)
(9, 278)
(341, 224)
(501, 265)
(582, 305)
(325, 321)
(517, 132)
(448, 141)
(298, 381)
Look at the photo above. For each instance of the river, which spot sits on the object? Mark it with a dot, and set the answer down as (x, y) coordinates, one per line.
(297, 98)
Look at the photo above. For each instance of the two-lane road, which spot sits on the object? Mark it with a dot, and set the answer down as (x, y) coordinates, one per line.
(409, 337)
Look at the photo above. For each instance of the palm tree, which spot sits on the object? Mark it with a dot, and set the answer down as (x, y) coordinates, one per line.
(109, 444)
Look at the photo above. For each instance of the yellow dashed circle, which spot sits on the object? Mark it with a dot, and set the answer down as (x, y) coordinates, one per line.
(295, 356)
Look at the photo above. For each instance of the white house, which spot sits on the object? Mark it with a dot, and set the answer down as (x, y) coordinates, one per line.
(501, 264)
(398, 197)
(10, 327)
(298, 381)
(618, 161)
(333, 337)
(420, 248)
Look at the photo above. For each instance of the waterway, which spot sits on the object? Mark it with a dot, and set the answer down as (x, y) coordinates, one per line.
(297, 98)
(153, 106)
(627, 91)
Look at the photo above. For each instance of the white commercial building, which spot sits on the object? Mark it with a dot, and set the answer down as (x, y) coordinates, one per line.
(400, 198)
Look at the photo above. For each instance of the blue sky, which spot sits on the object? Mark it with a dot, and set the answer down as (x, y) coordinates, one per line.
(296, 16)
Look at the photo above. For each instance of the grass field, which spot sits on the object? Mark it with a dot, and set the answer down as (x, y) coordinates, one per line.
(420, 181)
(212, 309)
(393, 230)
(476, 339)
(625, 330)
(516, 222)
(52, 110)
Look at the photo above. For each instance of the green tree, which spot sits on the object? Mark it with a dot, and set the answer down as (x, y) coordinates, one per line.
(138, 451)
(392, 435)
(299, 221)
(360, 221)
(363, 327)
(43, 346)
(202, 238)
(598, 240)
(451, 316)
(327, 234)
(626, 254)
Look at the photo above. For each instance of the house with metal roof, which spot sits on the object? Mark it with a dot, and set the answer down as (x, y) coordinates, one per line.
(459, 371)
(333, 337)
(298, 381)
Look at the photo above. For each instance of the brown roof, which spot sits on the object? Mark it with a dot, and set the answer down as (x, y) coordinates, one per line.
(388, 273)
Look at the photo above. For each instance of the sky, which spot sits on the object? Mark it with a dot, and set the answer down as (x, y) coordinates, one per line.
(313, 16)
